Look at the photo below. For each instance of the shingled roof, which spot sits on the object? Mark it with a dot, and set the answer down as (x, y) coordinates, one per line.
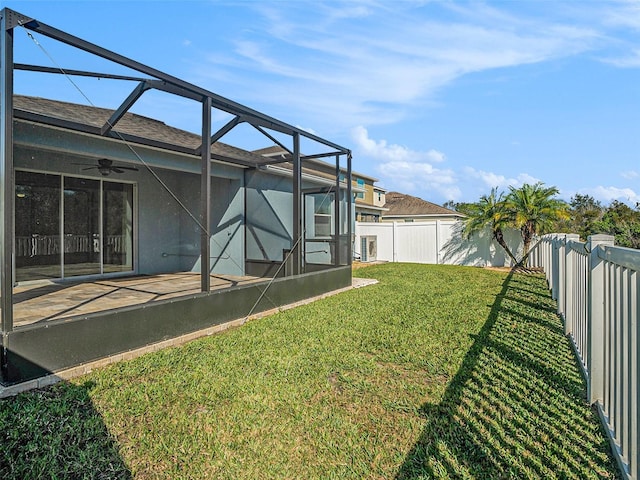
(401, 204)
(131, 127)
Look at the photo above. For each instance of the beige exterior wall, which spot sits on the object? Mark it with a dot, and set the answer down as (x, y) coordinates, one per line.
(370, 203)
(378, 197)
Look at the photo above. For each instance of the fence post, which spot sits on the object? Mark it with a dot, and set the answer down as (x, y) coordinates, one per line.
(547, 260)
(596, 317)
(568, 312)
(554, 265)
(394, 254)
(561, 276)
(550, 263)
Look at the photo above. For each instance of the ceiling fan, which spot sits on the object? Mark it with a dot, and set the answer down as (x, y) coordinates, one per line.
(105, 166)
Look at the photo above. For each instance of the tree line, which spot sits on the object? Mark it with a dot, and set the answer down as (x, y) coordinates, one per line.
(536, 209)
(589, 217)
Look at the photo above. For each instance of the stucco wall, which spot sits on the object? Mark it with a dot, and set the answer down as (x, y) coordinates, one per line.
(167, 201)
(269, 216)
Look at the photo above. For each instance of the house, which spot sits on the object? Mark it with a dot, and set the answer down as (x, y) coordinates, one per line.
(406, 208)
(369, 199)
(410, 230)
(120, 231)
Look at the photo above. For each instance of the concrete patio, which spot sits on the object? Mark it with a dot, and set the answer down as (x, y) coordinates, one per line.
(45, 301)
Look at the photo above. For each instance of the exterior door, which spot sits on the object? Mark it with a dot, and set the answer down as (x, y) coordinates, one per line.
(81, 227)
(37, 226)
(70, 227)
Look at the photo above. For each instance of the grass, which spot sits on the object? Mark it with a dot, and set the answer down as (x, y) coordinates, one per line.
(436, 372)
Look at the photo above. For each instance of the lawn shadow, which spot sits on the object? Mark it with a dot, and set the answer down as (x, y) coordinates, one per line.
(516, 407)
(56, 432)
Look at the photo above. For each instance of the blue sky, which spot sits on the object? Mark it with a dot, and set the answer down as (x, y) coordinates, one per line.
(442, 100)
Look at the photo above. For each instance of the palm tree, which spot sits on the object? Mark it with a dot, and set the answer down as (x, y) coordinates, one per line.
(534, 210)
(490, 212)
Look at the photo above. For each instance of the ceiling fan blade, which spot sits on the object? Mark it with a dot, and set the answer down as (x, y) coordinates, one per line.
(107, 165)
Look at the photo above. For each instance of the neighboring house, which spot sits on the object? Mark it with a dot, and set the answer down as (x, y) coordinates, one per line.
(410, 230)
(93, 196)
(370, 205)
(406, 208)
(414, 230)
(369, 199)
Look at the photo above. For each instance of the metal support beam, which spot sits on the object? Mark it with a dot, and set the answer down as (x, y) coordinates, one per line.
(260, 124)
(75, 73)
(336, 225)
(218, 102)
(205, 198)
(221, 133)
(298, 240)
(6, 174)
(12, 19)
(321, 155)
(272, 138)
(124, 107)
(175, 90)
(349, 210)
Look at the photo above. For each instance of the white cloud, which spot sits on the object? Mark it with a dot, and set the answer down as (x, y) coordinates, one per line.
(491, 179)
(380, 149)
(391, 60)
(608, 194)
(630, 174)
(626, 14)
(407, 170)
(628, 60)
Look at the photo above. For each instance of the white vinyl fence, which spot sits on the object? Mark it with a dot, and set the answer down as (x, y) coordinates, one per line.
(596, 286)
(434, 241)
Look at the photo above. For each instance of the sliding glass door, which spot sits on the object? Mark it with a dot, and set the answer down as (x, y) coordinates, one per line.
(37, 240)
(117, 238)
(68, 226)
(81, 227)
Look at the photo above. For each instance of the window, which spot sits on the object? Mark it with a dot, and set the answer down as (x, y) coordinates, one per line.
(360, 183)
(322, 216)
(319, 207)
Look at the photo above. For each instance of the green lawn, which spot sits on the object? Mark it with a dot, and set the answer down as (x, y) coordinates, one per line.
(435, 372)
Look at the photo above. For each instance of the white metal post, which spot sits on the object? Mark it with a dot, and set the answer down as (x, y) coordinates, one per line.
(596, 317)
(561, 275)
(634, 314)
(568, 312)
(554, 266)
